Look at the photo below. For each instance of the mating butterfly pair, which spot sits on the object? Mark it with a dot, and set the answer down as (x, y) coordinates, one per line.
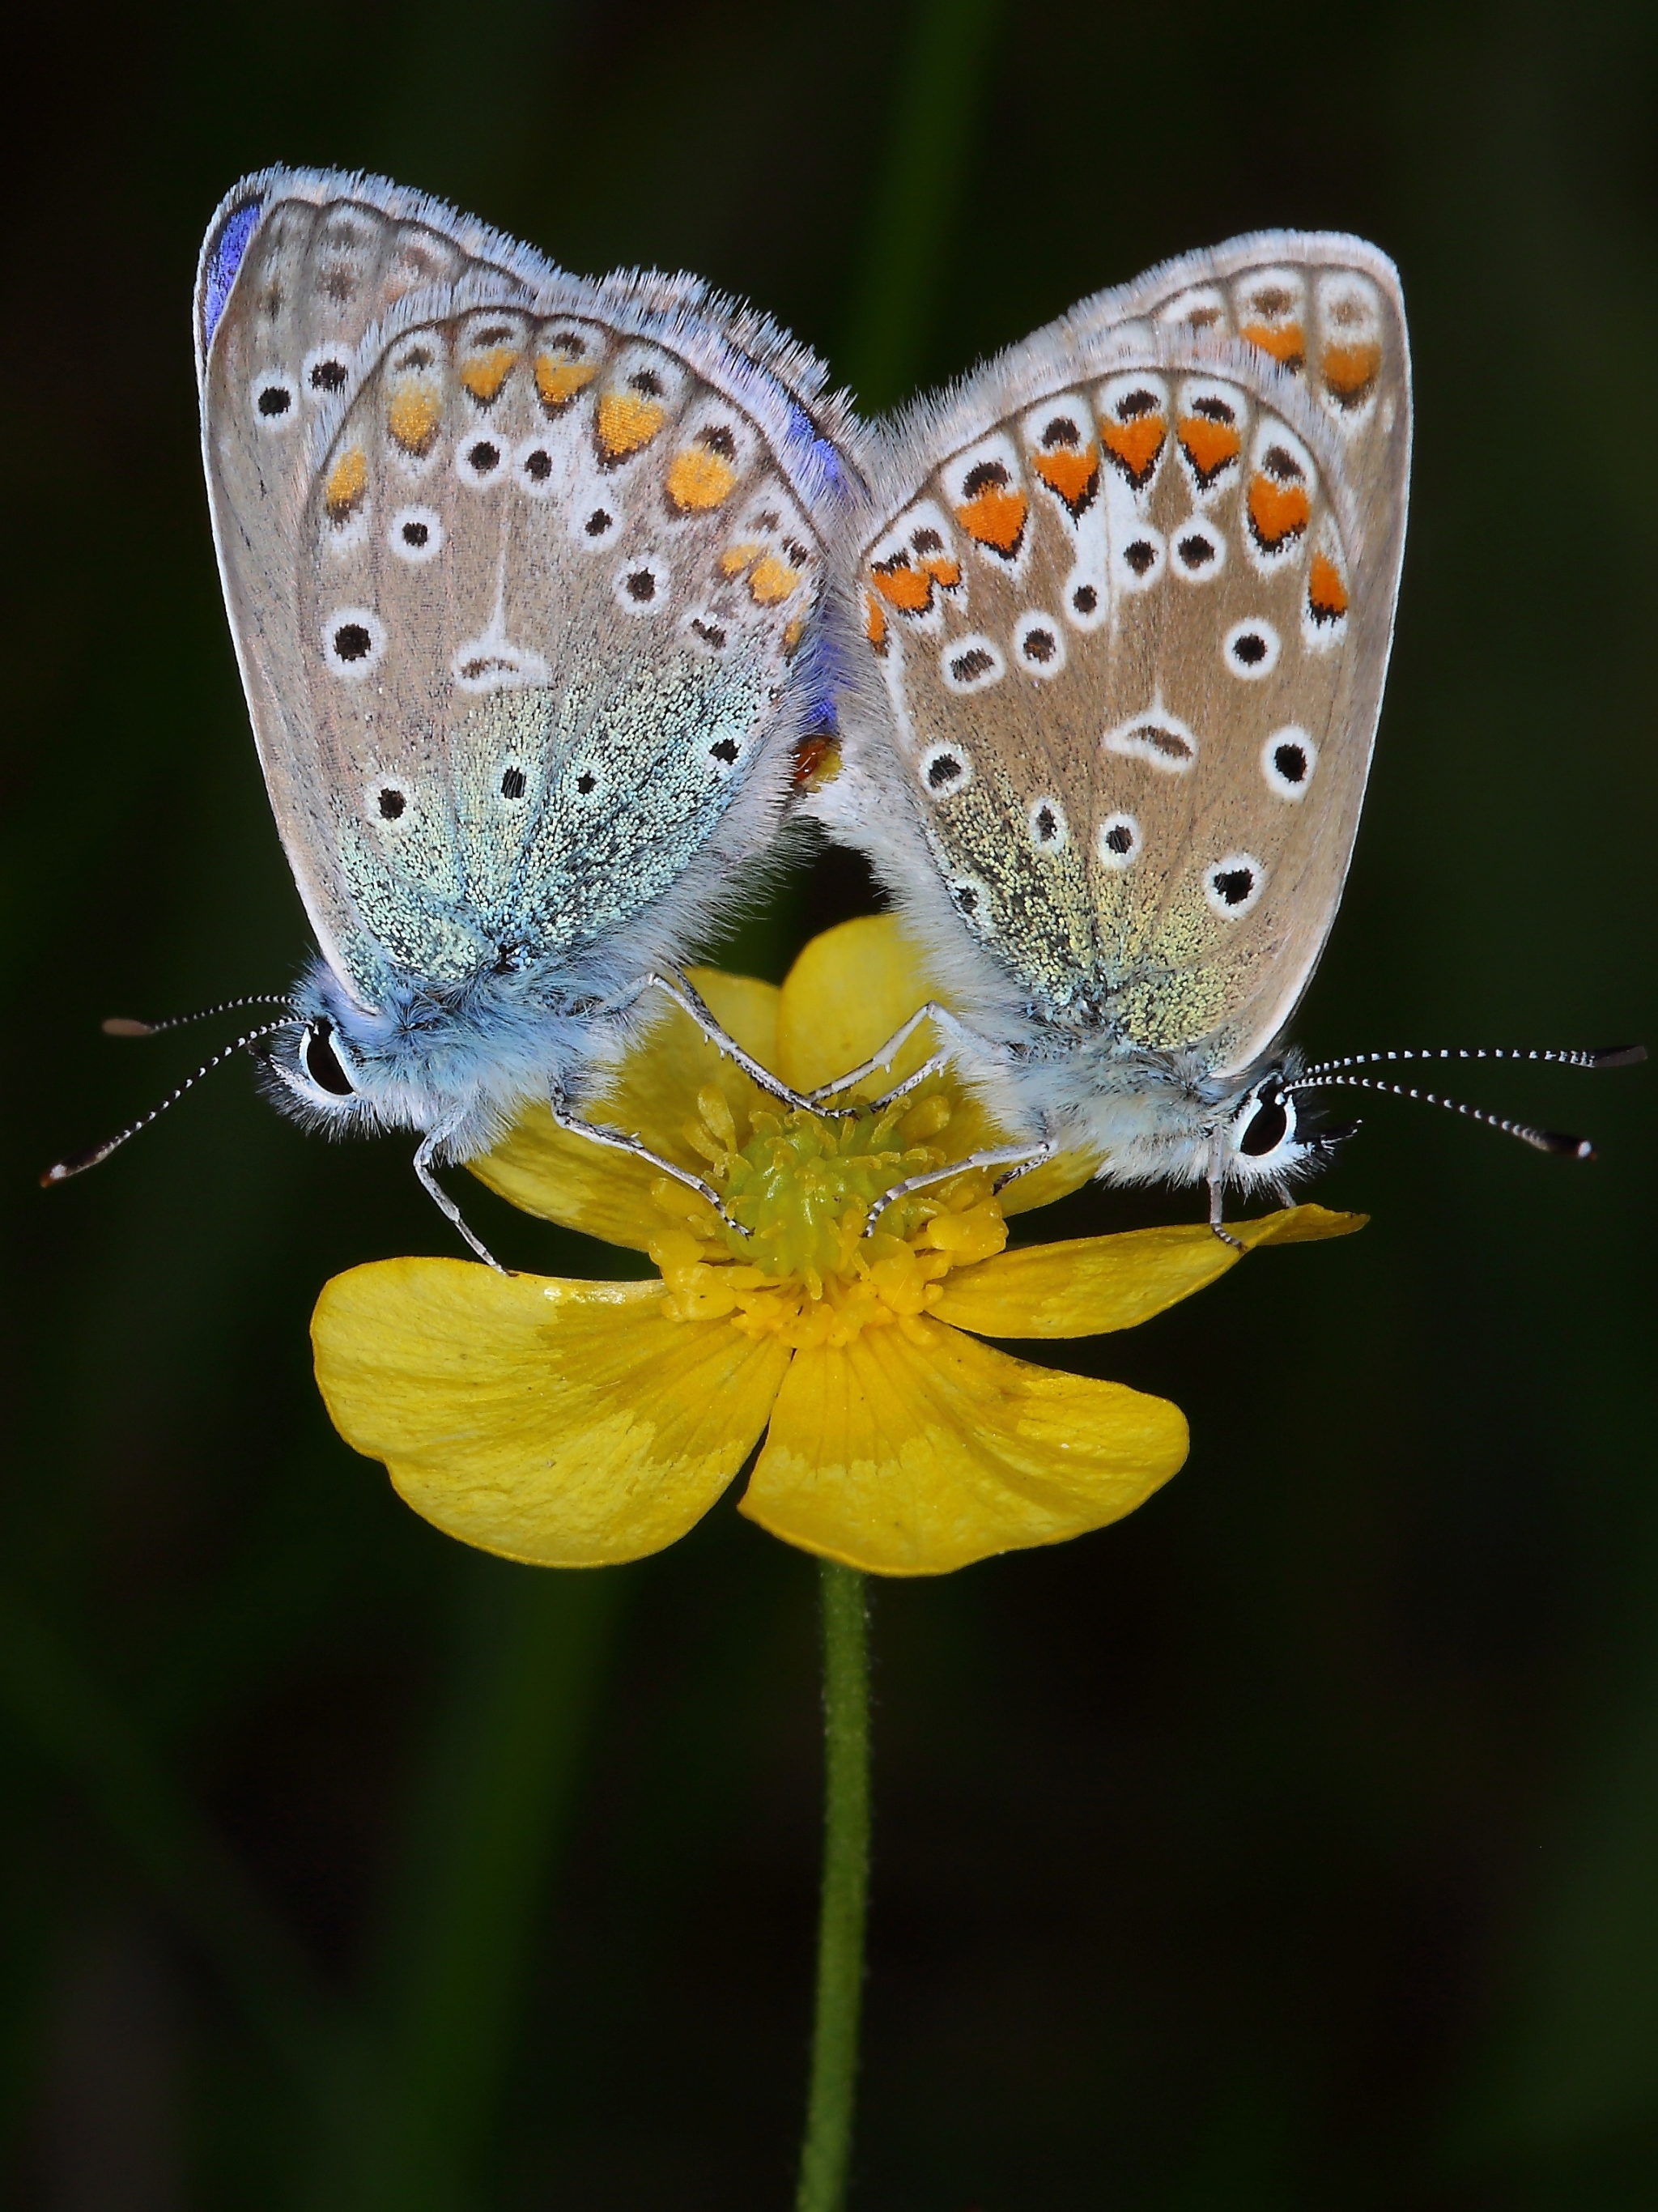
(537, 584)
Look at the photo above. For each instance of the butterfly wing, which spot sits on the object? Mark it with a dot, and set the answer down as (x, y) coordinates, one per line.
(516, 565)
(1126, 598)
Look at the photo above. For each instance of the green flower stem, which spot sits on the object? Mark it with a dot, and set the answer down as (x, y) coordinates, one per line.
(826, 2154)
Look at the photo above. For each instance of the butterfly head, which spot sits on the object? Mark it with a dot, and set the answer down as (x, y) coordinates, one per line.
(1269, 1137)
(423, 1060)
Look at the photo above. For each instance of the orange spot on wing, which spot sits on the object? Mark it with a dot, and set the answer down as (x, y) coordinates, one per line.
(997, 519)
(1277, 512)
(699, 479)
(485, 373)
(1282, 341)
(771, 581)
(736, 558)
(792, 633)
(413, 416)
(1327, 595)
(346, 485)
(909, 590)
(1208, 446)
(1351, 370)
(628, 422)
(943, 570)
(875, 622)
(1135, 447)
(558, 380)
(1071, 472)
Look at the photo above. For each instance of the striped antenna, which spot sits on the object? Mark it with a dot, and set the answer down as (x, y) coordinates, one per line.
(78, 1162)
(121, 1026)
(1331, 1075)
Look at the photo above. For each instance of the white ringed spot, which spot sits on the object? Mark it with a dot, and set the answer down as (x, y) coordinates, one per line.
(353, 641)
(1199, 551)
(1119, 841)
(641, 587)
(971, 664)
(1287, 760)
(274, 398)
(480, 459)
(1039, 642)
(325, 370)
(1159, 739)
(415, 534)
(1233, 885)
(945, 770)
(1050, 830)
(1251, 647)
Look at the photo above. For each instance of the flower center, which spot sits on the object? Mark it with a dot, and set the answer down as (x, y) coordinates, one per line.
(803, 1185)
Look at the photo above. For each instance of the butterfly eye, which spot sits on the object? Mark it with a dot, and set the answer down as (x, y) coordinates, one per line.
(1267, 1127)
(321, 1061)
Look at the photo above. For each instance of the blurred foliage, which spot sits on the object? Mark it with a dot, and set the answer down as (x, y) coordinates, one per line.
(1294, 1843)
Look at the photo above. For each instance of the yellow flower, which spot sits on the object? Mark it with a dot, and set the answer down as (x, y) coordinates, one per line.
(579, 1423)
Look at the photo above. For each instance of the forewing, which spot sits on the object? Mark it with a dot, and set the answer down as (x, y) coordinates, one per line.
(516, 565)
(1130, 600)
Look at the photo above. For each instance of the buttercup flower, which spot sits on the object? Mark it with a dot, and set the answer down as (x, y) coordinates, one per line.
(580, 1424)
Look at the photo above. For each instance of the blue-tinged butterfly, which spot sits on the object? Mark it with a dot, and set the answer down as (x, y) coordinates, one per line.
(1117, 612)
(517, 565)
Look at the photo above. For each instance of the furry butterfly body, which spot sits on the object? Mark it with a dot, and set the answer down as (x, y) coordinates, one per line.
(1116, 627)
(517, 565)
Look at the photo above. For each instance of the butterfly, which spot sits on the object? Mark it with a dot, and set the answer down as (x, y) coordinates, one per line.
(1116, 613)
(518, 567)
(1124, 601)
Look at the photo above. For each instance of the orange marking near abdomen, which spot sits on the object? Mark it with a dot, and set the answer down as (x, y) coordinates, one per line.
(559, 380)
(736, 558)
(1208, 446)
(1283, 342)
(1277, 512)
(1351, 370)
(627, 423)
(875, 622)
(909, 590)
(413, 416)
(996, 517)
(817, 761)
(485, 374)
(346, 485)
(700, 480)
(1072, 473)
(1135, 447)
(1327, 595)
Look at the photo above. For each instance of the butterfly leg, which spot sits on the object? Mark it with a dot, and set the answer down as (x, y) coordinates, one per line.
(618, 1140)
(948, 1024)
(1216, 1195)
(1023, 1158)
(677, 988)
(444, 1204)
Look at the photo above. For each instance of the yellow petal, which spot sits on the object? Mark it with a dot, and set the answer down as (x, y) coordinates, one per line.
(570, 1180)
(566, 1424)
(850, 990)
(1098, 1283)
(914, 1450)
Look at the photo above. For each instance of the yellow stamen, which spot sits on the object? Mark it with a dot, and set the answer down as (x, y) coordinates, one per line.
(802, 1186)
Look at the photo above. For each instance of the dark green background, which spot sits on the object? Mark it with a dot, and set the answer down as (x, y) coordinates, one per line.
(1294, 1844)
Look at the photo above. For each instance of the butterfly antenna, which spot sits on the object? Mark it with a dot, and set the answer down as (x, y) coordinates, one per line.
(1331, 1075)
(120, 1025)
(78, 1162)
